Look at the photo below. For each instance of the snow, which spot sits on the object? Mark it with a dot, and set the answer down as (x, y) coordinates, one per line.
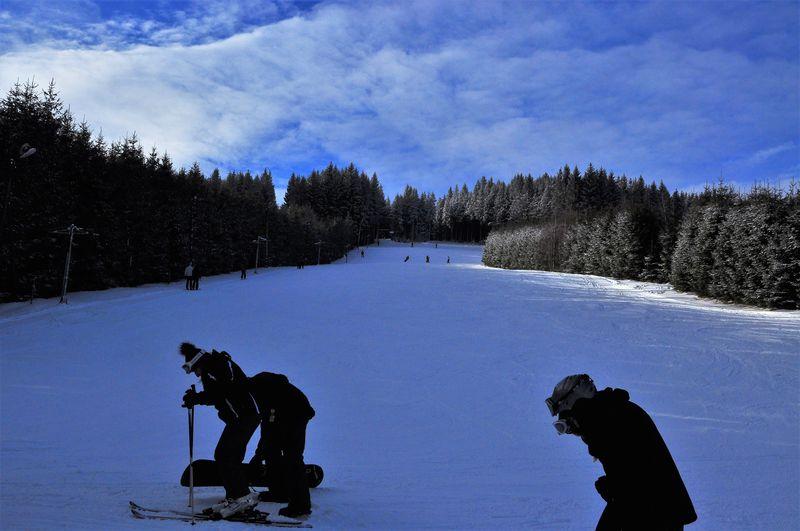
(428, 381)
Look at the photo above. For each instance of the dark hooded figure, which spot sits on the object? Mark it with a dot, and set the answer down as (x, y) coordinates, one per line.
(196, 278)
(226, 387)
(285, 412)
(642, 486)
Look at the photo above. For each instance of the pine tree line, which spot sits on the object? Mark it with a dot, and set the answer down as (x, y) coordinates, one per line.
(563, 198)
(343, 194)
(741, 248)
(413, 215)
(148, 220)
(719, 243)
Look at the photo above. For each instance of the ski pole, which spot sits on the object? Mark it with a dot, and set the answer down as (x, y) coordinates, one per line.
(191, 457)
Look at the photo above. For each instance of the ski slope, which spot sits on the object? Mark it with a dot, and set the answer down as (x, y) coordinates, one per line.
(428, 381)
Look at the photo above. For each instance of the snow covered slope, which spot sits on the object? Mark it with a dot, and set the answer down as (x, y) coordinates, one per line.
(428, 381)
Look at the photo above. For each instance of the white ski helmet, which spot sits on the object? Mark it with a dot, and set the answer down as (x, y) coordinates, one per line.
(568, 391)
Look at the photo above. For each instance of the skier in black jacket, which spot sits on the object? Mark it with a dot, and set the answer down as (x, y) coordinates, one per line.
(285, 412)
(225, 387)
(642, 486)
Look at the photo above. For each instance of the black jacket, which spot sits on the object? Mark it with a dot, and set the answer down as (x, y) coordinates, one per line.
(225, 386)
(279, 400)
(285, 411)
(642, 480)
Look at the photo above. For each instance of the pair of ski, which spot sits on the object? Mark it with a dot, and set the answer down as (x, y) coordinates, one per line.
(253, 517)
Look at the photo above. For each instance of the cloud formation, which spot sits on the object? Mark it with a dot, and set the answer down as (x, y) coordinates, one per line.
(434, 94)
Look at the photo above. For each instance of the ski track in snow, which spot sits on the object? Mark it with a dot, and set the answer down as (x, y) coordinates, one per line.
(428, 381)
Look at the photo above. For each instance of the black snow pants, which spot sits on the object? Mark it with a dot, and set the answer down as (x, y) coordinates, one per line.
(613, 520)
(229, 455)
(285, 445)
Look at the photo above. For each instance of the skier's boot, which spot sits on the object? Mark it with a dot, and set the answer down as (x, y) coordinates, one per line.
(270, 496)
(232, 506)
(294, 512)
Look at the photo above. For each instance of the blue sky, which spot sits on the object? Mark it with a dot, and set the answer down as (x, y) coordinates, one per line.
(429, 93)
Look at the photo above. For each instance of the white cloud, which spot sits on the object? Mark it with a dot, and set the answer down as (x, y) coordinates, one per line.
(764, 154)
(373, 84)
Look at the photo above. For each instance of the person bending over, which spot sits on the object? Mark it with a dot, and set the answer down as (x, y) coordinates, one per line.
(641, 486)
(285, 412)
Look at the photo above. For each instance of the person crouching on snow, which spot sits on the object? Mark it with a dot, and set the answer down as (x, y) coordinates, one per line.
(642, 486)
(285, 412)
(225, 386)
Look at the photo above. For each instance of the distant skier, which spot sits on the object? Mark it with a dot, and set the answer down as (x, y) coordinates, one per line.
(195, 284)
(407, 259)
(642, 486)
(243, 274)
(436, 245)
(187, 274)
(427, 259)
(448, 259)
(285, 412)
(227, 388)
(362, 253)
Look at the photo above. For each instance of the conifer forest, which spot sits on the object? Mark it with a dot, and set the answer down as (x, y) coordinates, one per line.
(143, 220)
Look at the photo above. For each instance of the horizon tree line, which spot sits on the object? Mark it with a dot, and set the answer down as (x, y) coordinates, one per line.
(147, 220)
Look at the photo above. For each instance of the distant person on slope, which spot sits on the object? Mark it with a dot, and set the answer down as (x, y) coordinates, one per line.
(187, 274)
(407, 259)
(196, 278)
(642, 486)
(227, 388)
(285, 412)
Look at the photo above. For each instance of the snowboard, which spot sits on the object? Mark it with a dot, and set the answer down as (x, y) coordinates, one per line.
(206, 474)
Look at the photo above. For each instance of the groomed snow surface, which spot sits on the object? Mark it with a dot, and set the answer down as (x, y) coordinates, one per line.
(428, 381)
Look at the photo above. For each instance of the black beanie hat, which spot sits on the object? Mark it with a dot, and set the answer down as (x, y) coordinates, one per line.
(188, 350)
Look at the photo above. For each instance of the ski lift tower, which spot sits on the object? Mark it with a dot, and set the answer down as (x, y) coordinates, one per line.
(258, 241)
(319, 249)
(72, 230)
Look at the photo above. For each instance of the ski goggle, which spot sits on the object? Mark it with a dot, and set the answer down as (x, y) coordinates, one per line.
(565, 426)
(189, 365)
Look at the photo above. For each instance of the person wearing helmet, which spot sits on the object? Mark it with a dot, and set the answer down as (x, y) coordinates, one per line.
(641, 486)
(226, 387)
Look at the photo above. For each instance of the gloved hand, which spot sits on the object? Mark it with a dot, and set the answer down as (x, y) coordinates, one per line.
(258, 459)
(190, 398)
(603, 486)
